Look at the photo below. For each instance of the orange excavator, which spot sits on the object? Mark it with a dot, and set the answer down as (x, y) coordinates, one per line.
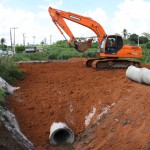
(112, 52)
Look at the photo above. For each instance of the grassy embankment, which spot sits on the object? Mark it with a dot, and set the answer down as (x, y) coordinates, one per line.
(8, 71)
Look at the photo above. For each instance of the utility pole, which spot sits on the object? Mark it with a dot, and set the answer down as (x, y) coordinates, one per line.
(14, 38)
(50, 39)
(11, 39)
(45, 40)
(34, 39)
(138, 40)
(23, 34)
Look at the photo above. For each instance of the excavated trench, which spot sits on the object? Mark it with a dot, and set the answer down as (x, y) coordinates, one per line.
(104, 109)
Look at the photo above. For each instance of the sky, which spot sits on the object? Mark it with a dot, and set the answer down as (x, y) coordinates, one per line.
(32, 19)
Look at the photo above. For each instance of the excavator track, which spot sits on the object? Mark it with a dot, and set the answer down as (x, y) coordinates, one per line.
(111, 63)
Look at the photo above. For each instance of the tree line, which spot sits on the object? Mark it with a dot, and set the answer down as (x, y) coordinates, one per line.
(135, 38)
(129, 38)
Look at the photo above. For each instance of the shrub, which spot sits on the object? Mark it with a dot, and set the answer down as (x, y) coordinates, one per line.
(90, 53)
(2, 94)
(148, 45)
(68, 54)
(20, 57)
(20, 48)
(9, 70)
(2, 101)
(53, 55)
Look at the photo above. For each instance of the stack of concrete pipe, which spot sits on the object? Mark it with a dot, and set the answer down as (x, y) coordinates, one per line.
(141, 75)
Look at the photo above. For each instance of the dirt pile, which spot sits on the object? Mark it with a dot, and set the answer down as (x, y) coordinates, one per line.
(103, 108)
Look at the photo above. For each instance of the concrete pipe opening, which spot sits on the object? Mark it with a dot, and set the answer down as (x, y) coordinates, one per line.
(61, 134)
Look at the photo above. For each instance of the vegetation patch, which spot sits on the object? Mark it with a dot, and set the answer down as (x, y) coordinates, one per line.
(9, 70)
(2, 101)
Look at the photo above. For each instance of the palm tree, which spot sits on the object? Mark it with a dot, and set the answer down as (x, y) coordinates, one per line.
(3, 41)
(125, 33)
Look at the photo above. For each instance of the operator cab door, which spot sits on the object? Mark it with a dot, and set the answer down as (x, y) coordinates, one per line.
(113, 44)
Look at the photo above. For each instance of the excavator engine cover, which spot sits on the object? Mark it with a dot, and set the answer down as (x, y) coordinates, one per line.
(82, 46)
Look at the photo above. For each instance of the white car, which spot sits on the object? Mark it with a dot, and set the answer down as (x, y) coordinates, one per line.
(10, 52)
(2, 53)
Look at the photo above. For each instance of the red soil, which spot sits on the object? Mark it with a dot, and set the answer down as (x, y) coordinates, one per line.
(68, 92)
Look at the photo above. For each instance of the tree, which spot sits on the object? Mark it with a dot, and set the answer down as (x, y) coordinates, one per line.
(125, 34)
(3, 41)
(148, 45)
(147, 35)
(20, 48)
(134, 38)
(143, 40)
(62, 43)
(42, 42)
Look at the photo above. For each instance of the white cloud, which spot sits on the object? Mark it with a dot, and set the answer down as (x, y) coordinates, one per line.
(81, 31)
(132, 15)
(25, 21)
(98, 15)
(3, 1)
(33, 24)
(51, 3)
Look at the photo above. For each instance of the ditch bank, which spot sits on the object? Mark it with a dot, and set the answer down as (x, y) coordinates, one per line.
(11, 136)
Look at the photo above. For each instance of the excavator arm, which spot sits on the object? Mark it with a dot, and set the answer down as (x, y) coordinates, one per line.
(58, 17)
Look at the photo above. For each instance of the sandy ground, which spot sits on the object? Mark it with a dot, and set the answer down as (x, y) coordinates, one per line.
(104, 109)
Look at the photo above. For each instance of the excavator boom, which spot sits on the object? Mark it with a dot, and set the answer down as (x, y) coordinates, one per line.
(58, 17)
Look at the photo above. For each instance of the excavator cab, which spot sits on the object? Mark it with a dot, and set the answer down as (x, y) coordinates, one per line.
(111, 44)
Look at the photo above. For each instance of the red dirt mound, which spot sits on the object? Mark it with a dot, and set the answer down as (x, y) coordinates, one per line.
(103, 108)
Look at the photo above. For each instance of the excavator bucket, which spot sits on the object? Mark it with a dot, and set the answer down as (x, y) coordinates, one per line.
(83, 46)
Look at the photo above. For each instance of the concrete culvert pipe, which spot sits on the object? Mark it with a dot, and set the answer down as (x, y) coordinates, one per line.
(141, 75)
(60, 134)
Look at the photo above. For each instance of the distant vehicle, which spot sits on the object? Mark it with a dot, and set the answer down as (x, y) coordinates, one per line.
(10, 52)
(3, 53)
(31, 49)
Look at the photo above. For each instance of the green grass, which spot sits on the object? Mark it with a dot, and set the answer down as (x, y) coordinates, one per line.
(59, 53)
(2, 101)
(53, 54)
(10, 73)
(9, 70)
(2, 94)
(146, 56)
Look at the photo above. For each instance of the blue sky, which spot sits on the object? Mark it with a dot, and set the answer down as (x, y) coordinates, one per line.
(66, 4)
(31, 17)
(73, 6)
